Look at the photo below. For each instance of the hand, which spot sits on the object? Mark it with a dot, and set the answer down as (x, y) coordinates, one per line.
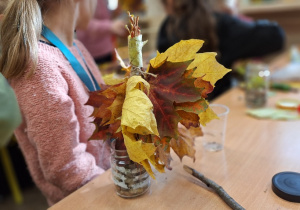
(118, 28)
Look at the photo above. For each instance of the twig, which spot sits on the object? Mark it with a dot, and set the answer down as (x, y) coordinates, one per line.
(217, 188)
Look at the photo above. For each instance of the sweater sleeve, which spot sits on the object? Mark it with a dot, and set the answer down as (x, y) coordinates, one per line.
(53, 129)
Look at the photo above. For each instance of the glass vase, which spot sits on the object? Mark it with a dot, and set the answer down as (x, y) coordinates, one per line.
(257, 85)
(130, 178)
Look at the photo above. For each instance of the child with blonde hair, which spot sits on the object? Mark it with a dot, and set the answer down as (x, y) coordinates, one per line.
(52, 75)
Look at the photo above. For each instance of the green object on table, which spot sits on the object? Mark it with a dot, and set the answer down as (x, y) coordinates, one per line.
(274, 114)
(282, 86)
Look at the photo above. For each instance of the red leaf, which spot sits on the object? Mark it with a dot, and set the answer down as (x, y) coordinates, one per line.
(165, 114)
(101, 100)
(106, 132)
(171, 84)
(168, 87)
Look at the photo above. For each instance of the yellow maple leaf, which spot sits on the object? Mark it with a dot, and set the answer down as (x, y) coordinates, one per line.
(114, 90)
(208, 68)
(158, 60)
(207, 116)
(147, 167)
(137, 82)
(138, 151)
(137, 111)
(116, 109)
(112, 79)
(184, 50)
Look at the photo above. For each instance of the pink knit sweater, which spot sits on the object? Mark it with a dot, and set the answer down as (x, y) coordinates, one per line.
(56, 125)
(97, 38)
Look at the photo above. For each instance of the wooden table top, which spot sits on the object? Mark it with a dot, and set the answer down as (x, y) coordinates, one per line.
(255, 150)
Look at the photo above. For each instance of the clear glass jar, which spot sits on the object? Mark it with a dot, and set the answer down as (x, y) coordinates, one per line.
(257, 85)
(130, 178)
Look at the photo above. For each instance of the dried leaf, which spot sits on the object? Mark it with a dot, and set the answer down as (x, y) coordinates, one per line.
(137, 114)
(100, 102)
(116, 108)
(189, 119)
(138, 151)
(205, 87)
(106, 111)
(114, 90)
(184, 50)
(112, 79)
(208, 68)
(164, 156)
(195, 131)
(168, 87)
(156, 163)
(106, 132)
(184, 145)
(207, 116)
(194, 107)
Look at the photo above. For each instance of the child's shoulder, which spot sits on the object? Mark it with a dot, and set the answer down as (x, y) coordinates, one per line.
(81, 47)
(50, 56)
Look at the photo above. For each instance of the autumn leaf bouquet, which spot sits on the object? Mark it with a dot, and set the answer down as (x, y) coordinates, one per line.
(154, 109)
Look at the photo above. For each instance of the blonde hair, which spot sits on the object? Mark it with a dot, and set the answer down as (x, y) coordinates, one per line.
(20, 31)
(3, 5)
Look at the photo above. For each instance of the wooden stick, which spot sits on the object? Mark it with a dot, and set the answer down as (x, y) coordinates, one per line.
(217, 188)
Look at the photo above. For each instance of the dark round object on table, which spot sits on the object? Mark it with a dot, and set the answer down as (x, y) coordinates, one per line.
(287, 186)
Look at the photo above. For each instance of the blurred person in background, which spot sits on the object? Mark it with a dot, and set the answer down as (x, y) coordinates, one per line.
(226, 6)
(230, 36)
(98, 37)
(230, 7)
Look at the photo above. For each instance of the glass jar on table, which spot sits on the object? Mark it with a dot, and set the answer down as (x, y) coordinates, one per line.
(257, 85)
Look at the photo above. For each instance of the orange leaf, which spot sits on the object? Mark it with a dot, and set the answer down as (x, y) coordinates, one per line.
(164, 156)
(184, 145)
(195, 107)
(205, 87)
(189, 119)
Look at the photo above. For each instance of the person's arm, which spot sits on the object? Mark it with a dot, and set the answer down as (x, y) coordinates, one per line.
(240, 39)
(10, 116)
(53, 129)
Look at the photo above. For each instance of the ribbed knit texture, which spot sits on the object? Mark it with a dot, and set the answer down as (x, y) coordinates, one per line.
(57, 124)
(97, 37)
